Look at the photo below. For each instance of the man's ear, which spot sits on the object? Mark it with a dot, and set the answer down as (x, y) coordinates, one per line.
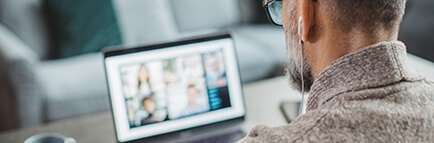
(307, 12)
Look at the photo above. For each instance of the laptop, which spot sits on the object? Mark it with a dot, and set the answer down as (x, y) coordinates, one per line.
(183, 91)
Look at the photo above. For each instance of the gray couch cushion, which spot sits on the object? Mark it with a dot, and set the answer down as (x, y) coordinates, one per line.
(145, 20)
(74, 86)
(194, 15)
(25, 18)
(254, 63)
(272, 39)
(28, 100)
(260, 50)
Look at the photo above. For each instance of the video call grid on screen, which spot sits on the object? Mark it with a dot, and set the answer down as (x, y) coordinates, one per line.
(164, 90)
(174, 88)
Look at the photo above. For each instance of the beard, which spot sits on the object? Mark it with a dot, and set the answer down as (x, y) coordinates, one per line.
(297, 72)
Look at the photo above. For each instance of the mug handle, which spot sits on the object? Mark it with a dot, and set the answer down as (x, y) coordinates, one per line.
(70, 140)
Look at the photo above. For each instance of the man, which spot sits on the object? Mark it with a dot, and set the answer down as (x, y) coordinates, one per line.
(148, 104)
(193, 107)
(345, 53)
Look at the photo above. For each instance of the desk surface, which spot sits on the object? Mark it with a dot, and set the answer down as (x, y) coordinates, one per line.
(262, 103)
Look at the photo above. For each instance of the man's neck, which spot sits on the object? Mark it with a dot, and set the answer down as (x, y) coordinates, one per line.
(334, 46)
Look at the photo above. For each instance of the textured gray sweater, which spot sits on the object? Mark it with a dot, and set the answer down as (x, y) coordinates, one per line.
(370, 95)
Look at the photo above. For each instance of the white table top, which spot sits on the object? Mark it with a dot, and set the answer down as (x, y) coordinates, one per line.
(263, 100)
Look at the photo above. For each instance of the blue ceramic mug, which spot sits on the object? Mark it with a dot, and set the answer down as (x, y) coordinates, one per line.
(49, 138)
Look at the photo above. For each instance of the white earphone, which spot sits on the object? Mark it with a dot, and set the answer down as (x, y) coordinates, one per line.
(299, 26)
(303, 101)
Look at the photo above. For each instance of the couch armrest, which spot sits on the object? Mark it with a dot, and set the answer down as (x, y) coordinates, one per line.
(13, 48)
(20, 99)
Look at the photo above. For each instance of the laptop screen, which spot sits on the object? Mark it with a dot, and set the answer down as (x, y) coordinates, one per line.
(174, 86)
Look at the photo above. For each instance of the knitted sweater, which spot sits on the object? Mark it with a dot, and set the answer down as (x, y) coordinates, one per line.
(370, 95)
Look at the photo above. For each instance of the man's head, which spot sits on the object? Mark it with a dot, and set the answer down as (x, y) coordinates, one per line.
(369, 15)
(148, 104)
(330, 29)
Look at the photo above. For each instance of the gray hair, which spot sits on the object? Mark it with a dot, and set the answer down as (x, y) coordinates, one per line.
(366, 14)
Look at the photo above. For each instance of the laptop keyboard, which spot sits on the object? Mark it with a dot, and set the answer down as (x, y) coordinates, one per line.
(223, 138)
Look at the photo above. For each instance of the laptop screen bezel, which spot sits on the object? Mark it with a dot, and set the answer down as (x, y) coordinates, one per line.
(117, 52)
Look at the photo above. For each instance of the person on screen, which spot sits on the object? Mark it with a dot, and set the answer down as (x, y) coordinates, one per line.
(346, 54)
(148, 104)
(193, 107)
(144, 87)
(216, 75)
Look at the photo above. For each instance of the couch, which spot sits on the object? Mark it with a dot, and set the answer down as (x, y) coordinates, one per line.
(36, 89)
